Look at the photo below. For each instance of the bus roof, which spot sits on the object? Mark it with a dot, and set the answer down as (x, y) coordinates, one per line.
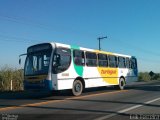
(88, 49)
(82, 48)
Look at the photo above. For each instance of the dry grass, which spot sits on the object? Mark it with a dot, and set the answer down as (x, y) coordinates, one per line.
(6, 75)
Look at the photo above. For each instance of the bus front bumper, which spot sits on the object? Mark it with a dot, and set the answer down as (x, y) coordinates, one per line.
(38, 85)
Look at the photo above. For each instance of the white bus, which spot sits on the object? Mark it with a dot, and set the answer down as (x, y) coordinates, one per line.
(56, 66)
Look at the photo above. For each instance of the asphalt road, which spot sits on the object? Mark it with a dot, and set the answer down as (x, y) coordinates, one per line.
(138, 101)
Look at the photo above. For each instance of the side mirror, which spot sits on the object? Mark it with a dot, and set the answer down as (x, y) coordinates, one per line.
(19, 61)
(20, 58)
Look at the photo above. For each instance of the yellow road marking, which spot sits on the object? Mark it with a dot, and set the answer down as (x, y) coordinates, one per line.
(55, 101)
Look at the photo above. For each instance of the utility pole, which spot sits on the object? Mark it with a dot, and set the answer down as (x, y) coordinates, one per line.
(99, 39)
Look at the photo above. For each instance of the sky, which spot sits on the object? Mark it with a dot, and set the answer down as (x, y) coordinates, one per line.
(132, 27)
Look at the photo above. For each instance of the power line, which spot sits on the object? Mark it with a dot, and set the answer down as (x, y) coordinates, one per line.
(17, 20)
(148, 60)
(138, 49)
(33, 23)
(28, 40)
(149, 53)
(17, 39)
(29, 22)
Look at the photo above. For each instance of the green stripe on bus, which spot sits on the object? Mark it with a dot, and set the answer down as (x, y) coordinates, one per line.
(78, 69)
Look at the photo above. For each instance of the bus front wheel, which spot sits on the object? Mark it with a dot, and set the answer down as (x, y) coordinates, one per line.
(77, 87)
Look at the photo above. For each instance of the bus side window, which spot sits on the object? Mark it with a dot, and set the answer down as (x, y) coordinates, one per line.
(121, 62)
(112, 61)
(127, 63)
(102, 60)
(78, 56)
(91, 59)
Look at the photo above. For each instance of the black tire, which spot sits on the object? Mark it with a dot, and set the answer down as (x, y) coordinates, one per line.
(77, 88)
(121, 84)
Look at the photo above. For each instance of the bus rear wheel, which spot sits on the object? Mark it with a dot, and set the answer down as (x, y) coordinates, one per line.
(121, 84)
(77, 88)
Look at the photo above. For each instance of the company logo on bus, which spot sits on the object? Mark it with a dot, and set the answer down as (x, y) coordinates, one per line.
(110, 72)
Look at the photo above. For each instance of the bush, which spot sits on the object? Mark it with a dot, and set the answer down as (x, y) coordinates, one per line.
(144, 76)
(6, 75)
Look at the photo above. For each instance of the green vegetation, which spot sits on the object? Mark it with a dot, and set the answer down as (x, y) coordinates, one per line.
(146, 76)
(6, 75)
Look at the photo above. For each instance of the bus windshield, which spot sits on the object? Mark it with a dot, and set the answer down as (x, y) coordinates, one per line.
(37, 63)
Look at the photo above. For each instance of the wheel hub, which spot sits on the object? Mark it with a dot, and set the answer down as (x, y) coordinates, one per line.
(77, 87)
